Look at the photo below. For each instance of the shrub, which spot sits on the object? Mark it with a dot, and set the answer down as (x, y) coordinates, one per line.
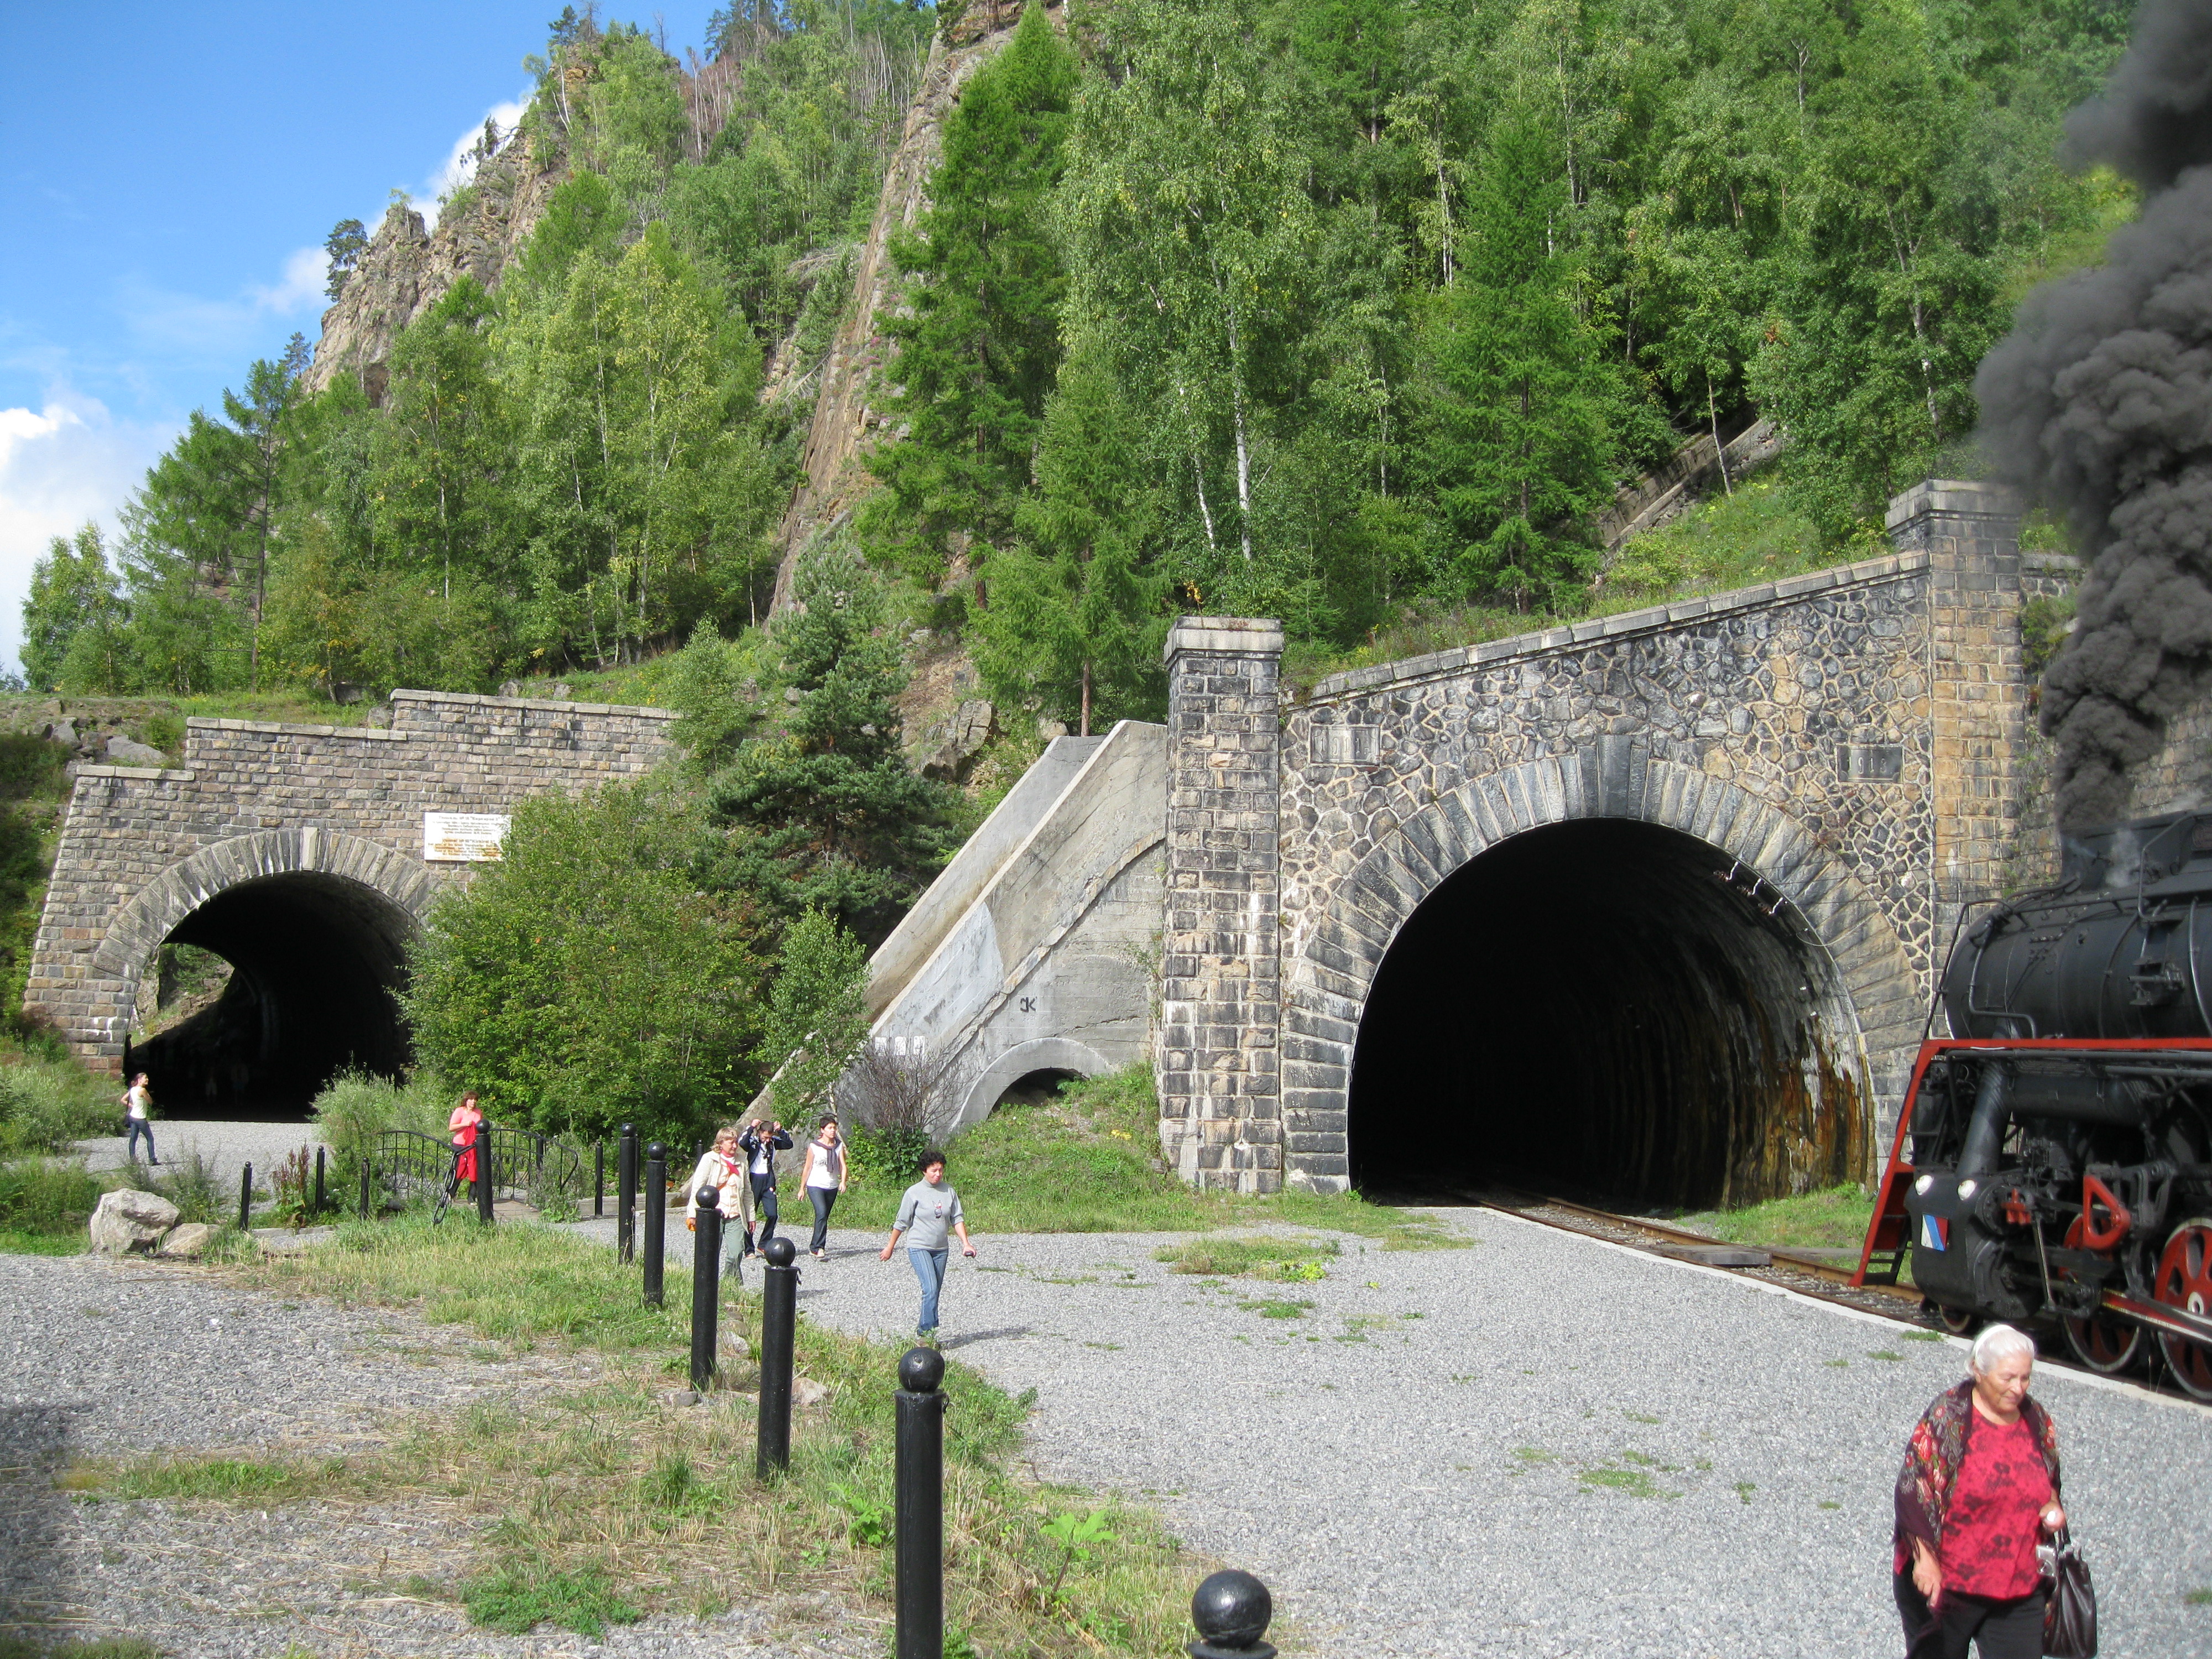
(46, 1104)
(355, 1107)
(49, 1196)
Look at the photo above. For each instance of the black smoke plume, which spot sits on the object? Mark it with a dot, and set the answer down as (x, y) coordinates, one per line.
(2098, 406)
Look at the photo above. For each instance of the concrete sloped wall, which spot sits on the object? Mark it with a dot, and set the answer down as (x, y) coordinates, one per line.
(1038, 951)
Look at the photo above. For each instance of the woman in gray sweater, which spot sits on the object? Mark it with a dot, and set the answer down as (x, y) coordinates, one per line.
(927, 1213)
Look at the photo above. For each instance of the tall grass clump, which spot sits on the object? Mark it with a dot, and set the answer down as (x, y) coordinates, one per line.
(46, 1104)
(356, 1106)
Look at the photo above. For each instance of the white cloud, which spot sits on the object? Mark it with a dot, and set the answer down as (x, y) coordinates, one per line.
(219, 332)
(460, 166)
(61, 464)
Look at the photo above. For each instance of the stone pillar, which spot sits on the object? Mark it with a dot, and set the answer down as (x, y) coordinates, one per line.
(1977, 692)
(1220, 1082)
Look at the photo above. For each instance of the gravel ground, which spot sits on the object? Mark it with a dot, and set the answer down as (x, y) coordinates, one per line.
(106, 1358)
(1452, 1453)
(225, 1145)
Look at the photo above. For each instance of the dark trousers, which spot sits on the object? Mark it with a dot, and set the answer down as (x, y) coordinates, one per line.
(139, 1126)
(765, 1205)
(1997, 1630)
(824, 1199)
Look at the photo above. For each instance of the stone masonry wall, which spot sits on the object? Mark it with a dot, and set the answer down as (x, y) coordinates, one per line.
(1836, 734)
(1220, 1109)
(140, 848)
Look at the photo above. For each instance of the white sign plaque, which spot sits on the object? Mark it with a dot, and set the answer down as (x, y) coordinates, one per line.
(462, 837)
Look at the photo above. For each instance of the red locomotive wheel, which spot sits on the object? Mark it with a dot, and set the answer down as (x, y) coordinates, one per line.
(2104, 1342)
(2184, 1279)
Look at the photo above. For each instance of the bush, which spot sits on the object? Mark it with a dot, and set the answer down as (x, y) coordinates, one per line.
(46, 1104)
(886, 1158)
(355, 1107)
(48, 1196)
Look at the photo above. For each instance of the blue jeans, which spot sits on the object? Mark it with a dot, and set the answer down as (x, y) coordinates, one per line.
(139, 1126)
(929, 1269)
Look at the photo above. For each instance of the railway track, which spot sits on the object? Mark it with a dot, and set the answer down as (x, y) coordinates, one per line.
(1807, 1275)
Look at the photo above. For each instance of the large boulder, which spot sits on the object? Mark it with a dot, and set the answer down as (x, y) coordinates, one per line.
(188, 1240)
(122, 751)
(127, 1220)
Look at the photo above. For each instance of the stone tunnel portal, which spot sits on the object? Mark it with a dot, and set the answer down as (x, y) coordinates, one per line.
(315, 960)
(1597, 1011)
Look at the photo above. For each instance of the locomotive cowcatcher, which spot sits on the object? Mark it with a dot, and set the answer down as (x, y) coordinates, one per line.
(2053, 1159)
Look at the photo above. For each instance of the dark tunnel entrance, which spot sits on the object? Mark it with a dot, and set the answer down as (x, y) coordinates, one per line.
(315, 959)
(1596, 1010)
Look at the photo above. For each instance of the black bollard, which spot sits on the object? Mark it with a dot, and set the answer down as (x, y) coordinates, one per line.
(626, 1199)
(484, 1173)
(656, 1219)
(706, 1269)
(1230, 1611)
(245, 1200)
(599, 1179)
(318, 1181)
(778, 1336)
(364, 1187)
(918, 1507)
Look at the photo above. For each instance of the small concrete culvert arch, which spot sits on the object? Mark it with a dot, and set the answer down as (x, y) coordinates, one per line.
(1060, 1059)
(1595, 1009)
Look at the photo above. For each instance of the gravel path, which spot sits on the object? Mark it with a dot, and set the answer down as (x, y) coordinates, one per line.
(225, 1145)
(1541, 1446)
(100, 1358)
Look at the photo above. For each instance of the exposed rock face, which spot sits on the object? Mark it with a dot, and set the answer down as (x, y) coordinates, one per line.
(122, 751)
(127, 1220)
(406, 269)
(847, 416)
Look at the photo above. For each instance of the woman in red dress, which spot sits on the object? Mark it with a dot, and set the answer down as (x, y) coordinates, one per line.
(1978, 1491)
(464, 1124)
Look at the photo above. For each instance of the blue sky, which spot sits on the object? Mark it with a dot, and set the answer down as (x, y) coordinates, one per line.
(167, 175)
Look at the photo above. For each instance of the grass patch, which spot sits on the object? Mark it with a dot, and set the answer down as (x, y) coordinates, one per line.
(1631, 1482)
(15, 1241)
(1088, 1162)
(1273, 1306)
(2199, 1598)
(606, 1497)
(109, 1647)
(523, 1592)
(1281, 1260)
(1835, 1218)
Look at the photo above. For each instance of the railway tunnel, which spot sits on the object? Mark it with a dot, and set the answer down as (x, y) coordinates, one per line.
(1604, 1010)
(315, 961)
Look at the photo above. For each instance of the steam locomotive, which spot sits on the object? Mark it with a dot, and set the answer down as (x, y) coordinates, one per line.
(2053, 1160)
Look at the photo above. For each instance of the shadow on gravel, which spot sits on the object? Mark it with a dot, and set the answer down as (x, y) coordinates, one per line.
(973, 1337)
(36, 1579)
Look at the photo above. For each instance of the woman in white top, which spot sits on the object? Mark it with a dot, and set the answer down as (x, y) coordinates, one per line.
(722, 1168)
(138, 1111)
(824, 1178)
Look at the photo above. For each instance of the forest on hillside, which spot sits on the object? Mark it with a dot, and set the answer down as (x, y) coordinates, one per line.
(1317, 308)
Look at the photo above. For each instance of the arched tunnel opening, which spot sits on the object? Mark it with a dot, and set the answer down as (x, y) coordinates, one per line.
(1607, 1010)
(1036, 1088)
(315, 960)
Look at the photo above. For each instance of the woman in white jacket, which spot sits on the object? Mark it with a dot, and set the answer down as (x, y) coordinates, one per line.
(723, 1169)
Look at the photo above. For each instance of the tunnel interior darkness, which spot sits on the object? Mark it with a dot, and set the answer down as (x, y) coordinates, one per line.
(315, 959)
(1035, 1088)
(1597, 1011)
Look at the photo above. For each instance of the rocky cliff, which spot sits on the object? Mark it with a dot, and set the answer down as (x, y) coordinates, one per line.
(407, 269)
(848, 413)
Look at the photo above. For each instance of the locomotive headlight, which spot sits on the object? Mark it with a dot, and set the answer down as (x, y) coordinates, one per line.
(1966, 1188)
(1924, 1184)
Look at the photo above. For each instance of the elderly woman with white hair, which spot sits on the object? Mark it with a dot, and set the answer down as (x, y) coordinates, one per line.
(1978, 1491)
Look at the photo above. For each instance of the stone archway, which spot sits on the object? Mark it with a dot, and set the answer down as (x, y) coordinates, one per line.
(315, 925)
(1330, 974)
(1040, 1054)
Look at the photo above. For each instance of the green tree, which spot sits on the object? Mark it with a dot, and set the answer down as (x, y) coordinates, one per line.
(1076, 628)
(979, 351)
(817, 1014)
(584, 981)
(73, 591)
(343, 246)
(1522, 414)
(824, 813)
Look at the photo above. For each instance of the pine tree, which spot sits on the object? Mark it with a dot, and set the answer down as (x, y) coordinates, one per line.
(978, 355)
(825, 814)
(73, 591)
(1520, 449)
(1080, 612)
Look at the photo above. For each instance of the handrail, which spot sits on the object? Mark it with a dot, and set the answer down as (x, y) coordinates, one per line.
(519, 1162)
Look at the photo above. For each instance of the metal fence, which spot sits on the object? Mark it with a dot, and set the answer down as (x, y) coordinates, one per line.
(407, 1166)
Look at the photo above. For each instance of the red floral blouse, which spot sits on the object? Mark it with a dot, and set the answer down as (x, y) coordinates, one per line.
(1996, 1506)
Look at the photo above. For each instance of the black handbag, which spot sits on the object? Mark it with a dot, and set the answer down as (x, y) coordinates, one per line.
(2069, 1606)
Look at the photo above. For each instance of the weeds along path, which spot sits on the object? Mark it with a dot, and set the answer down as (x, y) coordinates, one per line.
(1539, 1444)
(420, 1440)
